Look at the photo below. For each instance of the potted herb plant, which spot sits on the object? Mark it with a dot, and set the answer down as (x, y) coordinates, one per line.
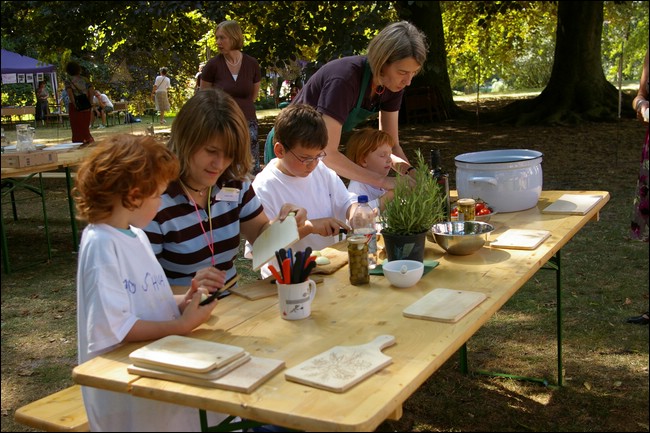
(412, 212)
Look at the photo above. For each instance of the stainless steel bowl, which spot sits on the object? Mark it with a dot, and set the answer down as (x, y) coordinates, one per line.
(461, 238)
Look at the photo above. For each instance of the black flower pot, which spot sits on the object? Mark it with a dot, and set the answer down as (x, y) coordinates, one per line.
(404, 247)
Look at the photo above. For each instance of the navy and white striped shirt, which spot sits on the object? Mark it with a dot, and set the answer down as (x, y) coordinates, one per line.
(178, 239)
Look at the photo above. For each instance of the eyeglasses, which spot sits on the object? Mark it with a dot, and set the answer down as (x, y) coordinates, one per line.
(308, 161)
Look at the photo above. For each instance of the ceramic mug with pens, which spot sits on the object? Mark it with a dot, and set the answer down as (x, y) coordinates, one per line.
(295, 299)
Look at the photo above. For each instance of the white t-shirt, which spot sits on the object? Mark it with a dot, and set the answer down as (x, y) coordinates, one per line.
(119, 281)
(162, 82)
(322, 193)
(107, 102)
(372, 192)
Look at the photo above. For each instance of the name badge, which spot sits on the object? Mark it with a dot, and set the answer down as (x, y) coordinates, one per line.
(228, 194)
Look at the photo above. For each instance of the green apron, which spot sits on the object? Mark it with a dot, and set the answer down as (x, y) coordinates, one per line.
(356, 116)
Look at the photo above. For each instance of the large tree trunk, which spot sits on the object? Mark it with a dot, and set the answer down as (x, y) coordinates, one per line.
(427, 17)
(577, 90)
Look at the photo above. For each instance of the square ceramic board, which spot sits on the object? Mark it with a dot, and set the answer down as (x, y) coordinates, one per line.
(444, 305)
(208, 375)
(521, 239)
(572, 204)
(186, 353)
(278, 235)
(245, 378)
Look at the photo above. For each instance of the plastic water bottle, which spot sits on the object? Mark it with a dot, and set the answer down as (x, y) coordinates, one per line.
(363, 223)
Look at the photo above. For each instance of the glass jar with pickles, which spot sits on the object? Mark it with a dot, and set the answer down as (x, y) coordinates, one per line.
(358, 260)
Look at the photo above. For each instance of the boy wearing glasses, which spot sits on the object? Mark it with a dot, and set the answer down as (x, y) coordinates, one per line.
(297, 175)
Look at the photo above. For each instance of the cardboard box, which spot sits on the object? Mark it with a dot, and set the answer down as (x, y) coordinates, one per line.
(28, 159)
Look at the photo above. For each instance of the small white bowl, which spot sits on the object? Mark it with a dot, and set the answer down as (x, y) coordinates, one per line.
(403, 273)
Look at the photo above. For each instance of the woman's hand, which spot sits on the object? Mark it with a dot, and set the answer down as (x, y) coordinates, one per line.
(210, 278)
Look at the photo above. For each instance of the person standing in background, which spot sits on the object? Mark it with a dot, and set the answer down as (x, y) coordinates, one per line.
(64, 101)
(639, 221)
(639, 224)
(197, 78)
(42, 95)
(239, 75)
(76, 84)
(160, 87)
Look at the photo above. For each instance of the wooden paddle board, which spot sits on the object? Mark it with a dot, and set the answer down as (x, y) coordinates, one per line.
(444, 305)
(264, 288)
(341, 367)
(277, 236)
(186, 353)
(245, 378)
(337, 255)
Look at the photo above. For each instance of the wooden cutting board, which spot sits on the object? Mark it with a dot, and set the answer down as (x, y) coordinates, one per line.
(208, 375)
(521, 239)
(573, 204)
(337, 254)
(341, 367)
(245, 378)
(444, 305)
(264, 288)
(186, 353)
(277, 236)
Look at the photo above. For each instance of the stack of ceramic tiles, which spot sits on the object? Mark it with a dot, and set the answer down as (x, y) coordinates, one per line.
(204, 363)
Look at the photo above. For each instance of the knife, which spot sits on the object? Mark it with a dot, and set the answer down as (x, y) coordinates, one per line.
(216, 293)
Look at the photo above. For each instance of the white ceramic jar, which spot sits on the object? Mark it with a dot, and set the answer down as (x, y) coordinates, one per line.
(509, 180)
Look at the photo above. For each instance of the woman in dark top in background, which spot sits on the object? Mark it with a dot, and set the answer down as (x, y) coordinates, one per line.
(351, 89)
(237, 74)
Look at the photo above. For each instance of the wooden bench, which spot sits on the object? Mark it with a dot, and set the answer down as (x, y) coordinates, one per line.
(61, 411)
(119, 108)
(152, 112)
(9, 113)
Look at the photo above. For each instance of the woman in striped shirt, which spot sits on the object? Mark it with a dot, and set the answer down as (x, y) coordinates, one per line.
(196, 232)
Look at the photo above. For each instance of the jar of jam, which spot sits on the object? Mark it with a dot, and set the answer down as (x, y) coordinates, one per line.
(466, 209)
(358, 260)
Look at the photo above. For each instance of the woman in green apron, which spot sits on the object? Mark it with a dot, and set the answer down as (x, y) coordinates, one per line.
(349, 90)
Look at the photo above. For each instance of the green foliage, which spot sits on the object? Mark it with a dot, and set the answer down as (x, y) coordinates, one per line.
(513, 41)
(414, 209)
(625, 33)
(18, 94)
(484, 40)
